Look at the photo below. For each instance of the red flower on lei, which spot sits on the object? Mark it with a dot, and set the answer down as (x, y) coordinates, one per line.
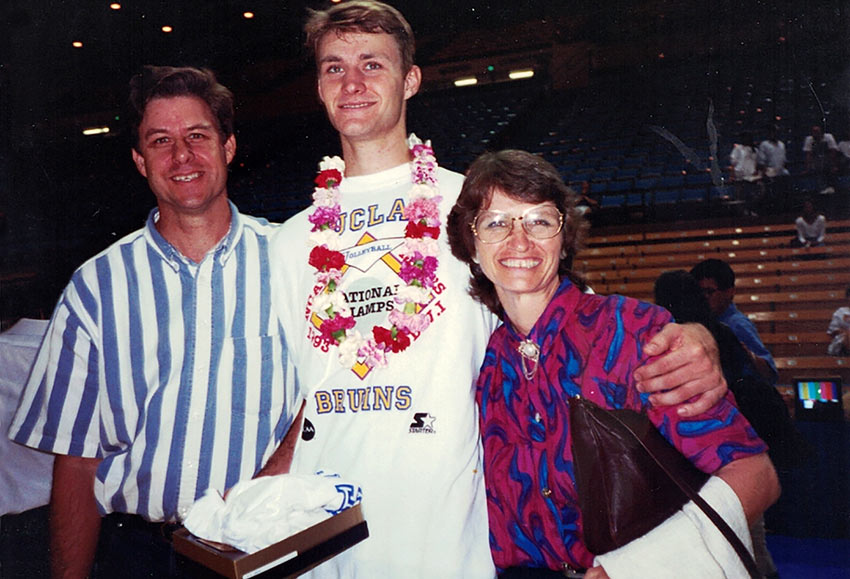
(395, 343)
(328, 178)
(419, 230)
(324, 259)
(333, 329)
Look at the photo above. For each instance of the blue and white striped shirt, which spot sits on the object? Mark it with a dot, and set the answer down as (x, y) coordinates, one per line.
(176, 374)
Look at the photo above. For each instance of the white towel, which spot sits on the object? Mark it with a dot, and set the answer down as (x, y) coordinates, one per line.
(687, 544)
(262, 511)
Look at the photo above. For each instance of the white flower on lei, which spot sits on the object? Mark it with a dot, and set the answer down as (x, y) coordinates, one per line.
(334, 162)
(325, 197)
(424, 191)
(335, 300)
(325, 277)
(327, 237)
(412, 139)
(349, 348)
(412, 293)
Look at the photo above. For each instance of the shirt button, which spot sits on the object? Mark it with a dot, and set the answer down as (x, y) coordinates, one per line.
(547, 492)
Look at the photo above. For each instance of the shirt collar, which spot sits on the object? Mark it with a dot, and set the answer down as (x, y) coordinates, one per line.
(221, 252)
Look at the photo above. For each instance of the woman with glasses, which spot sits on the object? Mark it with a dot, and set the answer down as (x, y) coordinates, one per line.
(516, 226)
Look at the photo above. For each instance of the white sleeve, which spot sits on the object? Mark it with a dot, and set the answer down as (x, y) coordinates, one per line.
(830, 141)
(687, 544)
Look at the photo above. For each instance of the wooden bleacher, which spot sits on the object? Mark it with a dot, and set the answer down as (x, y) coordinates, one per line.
(789, 293)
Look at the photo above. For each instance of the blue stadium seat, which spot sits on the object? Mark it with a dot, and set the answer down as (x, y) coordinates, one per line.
(692, 195)
(608, 201)
(645, 183)
(666, 196)
(634, 200)
(620, 185)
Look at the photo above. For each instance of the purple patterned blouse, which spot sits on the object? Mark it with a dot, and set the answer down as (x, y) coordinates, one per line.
(589, 344)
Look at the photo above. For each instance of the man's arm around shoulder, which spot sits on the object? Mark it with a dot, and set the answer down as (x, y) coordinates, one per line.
(687, 372)
(74, 518)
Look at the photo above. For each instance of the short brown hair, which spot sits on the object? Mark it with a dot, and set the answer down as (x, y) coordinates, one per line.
(360, 16)
(522, 176)
(169, 81)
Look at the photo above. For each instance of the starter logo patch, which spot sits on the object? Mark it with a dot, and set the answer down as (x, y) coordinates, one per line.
(423, 423)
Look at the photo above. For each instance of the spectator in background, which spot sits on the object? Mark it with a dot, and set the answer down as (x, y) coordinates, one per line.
(761, 404)
(717, 281)
(821, 155)
(811, 227)
(771, 163)
(839, 329)
(744, 172)
(586, 204)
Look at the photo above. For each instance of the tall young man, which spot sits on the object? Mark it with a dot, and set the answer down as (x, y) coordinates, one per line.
(385, 337)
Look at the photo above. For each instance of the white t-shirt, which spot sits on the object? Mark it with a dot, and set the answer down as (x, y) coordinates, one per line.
(828, 139)
(743, 159)
(407, 433)
(811, 231)
(772, 156)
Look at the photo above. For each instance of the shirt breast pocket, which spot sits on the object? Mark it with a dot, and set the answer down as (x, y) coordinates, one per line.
(255, 375)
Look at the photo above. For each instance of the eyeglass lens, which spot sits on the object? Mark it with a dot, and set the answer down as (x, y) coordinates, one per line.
(539, 222)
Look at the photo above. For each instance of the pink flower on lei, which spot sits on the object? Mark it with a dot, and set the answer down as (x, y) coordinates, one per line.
(419, 268)
(422, 209)
(413, 323)
(373, 354)
(424, 245)
(324, 216)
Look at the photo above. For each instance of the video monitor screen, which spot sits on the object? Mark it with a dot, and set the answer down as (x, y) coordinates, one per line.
(818, 398)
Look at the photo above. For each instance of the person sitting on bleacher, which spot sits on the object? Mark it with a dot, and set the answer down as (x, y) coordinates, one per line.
(811, 227)
(839, 329)
(717, 281)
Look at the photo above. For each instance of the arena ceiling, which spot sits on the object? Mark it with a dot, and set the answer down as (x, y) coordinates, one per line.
(43, 77)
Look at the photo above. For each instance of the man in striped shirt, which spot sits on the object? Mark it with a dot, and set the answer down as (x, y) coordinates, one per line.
(164, 371)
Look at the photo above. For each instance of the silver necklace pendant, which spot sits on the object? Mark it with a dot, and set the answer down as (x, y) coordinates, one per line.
(529, 354)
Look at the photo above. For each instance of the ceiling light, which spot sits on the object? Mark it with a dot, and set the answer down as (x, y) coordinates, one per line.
(518, 74)
(468, 81)
(77, 44)
(96, 131)
(115, 6)
(167, 29)
(247, 15)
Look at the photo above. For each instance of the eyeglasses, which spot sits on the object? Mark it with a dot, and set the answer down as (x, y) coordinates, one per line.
(539, 222)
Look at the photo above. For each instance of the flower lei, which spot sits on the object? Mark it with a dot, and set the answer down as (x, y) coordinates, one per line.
(419, 259)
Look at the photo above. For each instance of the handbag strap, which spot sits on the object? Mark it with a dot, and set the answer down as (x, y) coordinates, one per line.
(713, 516)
